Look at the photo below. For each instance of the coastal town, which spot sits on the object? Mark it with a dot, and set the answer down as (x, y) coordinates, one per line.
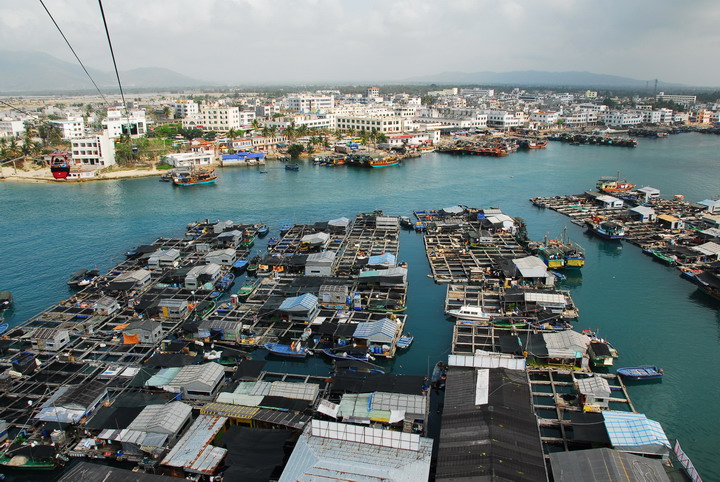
(87, 139)
(321, 240)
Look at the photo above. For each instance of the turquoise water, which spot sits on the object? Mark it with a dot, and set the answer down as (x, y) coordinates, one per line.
(649, 313)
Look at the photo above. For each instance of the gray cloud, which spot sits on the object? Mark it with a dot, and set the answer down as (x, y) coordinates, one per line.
(246, 41)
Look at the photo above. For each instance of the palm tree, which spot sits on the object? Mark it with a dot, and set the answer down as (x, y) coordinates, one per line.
(364, 136)
(273, 131)
(291, 131)
(303, 130)
(3, 147)
(256, 125)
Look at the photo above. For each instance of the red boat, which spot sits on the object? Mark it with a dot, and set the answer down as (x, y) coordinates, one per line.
(60, 165)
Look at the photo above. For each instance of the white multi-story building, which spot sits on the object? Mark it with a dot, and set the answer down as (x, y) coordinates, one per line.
(11, 127)
(547, 118)
(580, 118)
(380, 124)
(320, 121)
(266, 110)
(502, 119)
(666, 116)
(214, 117)
(119, 121)
(246, 117)
(189, 159)
(309, 103)
(96, 152)
(623, 119)
(651, 116)
(72, 127)
(678, 98)
(185, 108)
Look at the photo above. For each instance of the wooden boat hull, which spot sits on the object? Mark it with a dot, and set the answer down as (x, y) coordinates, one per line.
(194, 183)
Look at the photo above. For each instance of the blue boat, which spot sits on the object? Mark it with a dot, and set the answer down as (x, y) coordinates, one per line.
(262, 231)
(240, 265)
(3, 327)
(293, 351)
(348, 353)
(225, 283)
(272, 242)
(285, 228)
(404, 341)
(641, 373)
(292, 167)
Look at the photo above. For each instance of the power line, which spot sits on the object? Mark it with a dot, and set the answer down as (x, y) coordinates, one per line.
(18, 109)
(112, 53)
(74, 53)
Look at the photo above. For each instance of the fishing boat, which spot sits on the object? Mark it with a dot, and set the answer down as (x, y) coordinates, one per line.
(31, 457)
(467, 312)
(6, 299)
(405, 341)
(357, 366)
(262, 171)
(386, 306)
(406, 222)
(294, 350)
(240, 265)
(508, 323)
(272, 242)
(608, 230)
(205, 308)
(419, 227)
(285, 228)
(437, 379)
(662, 257)
(385, 162)
(348, 353)
(561, 253)
(82, 277)
(194, 177)
(707, 282)
(225, 283)
(602, 353)
(247, 289)
(292, 167)
(641, 373)
(613, 184)
(60, 165)
(262, 231)
(253, 265)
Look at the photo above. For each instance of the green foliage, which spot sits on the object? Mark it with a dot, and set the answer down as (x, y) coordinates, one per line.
(382, 138)
(295, 150)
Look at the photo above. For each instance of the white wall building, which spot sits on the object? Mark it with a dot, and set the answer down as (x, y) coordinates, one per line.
(380, 124)
(547, 118)
(188, 159)
(623, 119)
(117, 121)
(214, 117)
(72, 127)
(309, 102)
(95, 152)
(185, 108)
(502, 119)
(11, 127)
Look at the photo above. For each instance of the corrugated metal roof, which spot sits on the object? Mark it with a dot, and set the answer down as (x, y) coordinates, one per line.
(596, 386)
(566, 344)
(482, 386)
(365, 435)
(240, 399)
(317, 458)
(531, 267)
(229, 410)
(487, 360)
(708, 249)
(380, 331)
(192, 452)
(355, 405)
(414, 404)
(305, 302)
(298, 391)
(168, 418)
(206, 375)
(628, 429)
(322, 257)
(545, 298)
(163, 377)
(605, 464)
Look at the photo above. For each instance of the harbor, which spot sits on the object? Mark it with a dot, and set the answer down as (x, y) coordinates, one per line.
(428, 333)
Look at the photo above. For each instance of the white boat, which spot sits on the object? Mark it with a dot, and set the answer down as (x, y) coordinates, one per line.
(467, 312)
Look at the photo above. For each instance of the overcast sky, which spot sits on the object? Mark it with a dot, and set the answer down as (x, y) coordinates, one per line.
(289, 41)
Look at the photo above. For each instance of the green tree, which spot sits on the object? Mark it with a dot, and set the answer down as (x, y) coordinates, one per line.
(256, 125)
(265, 131)
(291, 131)
(295, 150)
(209, 135)
(382, 138)
(303, 130)
(364, 136)
(427, 100)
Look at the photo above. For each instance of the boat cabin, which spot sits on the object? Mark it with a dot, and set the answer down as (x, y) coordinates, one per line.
(198, 382)
(314, 242)
(229, 239)
(378, 336)
(387, 223)
(169, 258)
(609, 202)
(643, 214)
(320, 264)
(594, 392)
(670, 222)
(200, 276)
(107, 306)
(50, 339)
(303, 308)
(333, 294)
(143, 331)
(132, 280)
(173, 309)
(223, 257)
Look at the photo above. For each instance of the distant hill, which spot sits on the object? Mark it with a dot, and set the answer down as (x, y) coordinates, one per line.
(536, 78)
(37, 71)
